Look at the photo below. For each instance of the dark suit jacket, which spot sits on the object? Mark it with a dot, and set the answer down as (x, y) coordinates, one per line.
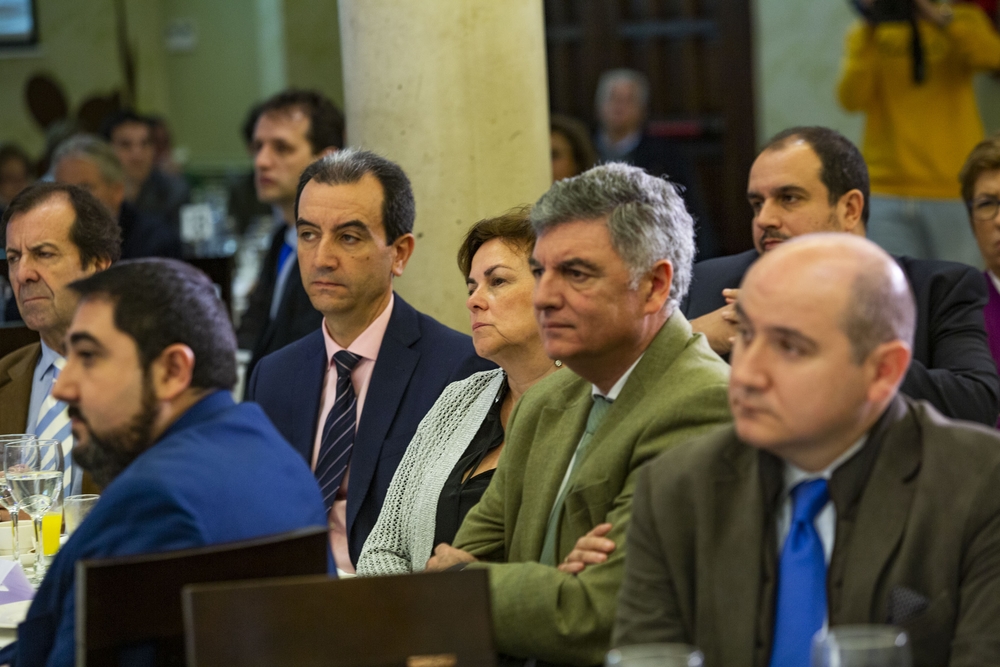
(295, 318)
(200, 484)
(147, 234)
(17, 371)
(951, 368)
(419, 357)
(917, 543)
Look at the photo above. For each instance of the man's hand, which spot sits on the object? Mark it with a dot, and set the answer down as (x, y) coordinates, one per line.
(590, 549)
(719, 326)
(446, 556)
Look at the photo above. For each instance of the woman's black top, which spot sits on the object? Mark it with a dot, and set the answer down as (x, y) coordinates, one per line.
(457, 496)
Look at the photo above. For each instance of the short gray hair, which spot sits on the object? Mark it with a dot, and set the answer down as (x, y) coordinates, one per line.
(97, 151)
(645, 215)
(613, 76)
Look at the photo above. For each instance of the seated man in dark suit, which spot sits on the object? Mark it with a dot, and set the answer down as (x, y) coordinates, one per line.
(285, 134)
(91, 163)
(349, 395)
(834, 499)
(812, 179)
(151, 363)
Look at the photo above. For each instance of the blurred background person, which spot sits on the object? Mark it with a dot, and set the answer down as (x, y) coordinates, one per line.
(622, 102)
(290, 131)
(91, 163)
(148, 188)
(981, 191)
(909, 67)
(454, 452)
(16, 173)
(572, 151)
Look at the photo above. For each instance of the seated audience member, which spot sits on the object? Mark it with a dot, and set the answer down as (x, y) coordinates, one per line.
(572, 152)
(622, 102)
(611, 263)
(812, 179)
(834, 499)
(147, 187)
(454, 452)
(349, 396)
(16, 173)
(54, 234)
(90, 162)
(287, 133)
(980, 179)
(152, 361)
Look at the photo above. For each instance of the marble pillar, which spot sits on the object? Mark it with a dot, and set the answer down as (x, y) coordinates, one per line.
(455, 91)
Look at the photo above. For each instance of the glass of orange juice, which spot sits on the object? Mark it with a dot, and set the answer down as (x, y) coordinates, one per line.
(51, 529)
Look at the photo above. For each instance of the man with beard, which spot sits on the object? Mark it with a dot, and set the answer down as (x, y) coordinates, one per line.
(151, 362)
(812, 179)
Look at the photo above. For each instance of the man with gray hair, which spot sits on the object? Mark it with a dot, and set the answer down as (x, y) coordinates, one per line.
(612, 261)
(91, 163)
(622, 107)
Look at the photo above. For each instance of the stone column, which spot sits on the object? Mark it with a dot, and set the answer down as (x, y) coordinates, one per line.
(455, 91)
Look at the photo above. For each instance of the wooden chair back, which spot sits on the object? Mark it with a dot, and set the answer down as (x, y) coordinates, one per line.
(439, 619)
(136, 600)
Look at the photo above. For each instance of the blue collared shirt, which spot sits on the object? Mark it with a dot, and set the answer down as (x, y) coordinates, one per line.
(41, 386)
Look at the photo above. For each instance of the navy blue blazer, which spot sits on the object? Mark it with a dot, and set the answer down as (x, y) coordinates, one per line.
(200, 484)
(952, 367)
(419, 357)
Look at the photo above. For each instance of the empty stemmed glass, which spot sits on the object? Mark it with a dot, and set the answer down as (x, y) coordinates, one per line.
(861, 646)
(34, 470)
(6, 498)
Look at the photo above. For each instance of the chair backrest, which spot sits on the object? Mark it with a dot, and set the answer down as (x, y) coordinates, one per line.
(439, 619)
(136, 600)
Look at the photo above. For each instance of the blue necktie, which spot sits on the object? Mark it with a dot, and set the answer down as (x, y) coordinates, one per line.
(338, 430)
(801, 607)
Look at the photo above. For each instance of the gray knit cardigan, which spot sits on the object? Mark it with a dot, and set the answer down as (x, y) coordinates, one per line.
(402, 539)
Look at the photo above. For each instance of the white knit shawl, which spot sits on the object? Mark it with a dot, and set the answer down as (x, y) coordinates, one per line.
(402, 539)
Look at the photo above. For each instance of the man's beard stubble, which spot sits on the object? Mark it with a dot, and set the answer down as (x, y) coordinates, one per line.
(106, 456)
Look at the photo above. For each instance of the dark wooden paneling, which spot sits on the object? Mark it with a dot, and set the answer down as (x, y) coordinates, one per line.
(698, 57)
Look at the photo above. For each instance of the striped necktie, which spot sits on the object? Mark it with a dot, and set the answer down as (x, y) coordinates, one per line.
(338, 430)
(54, 424)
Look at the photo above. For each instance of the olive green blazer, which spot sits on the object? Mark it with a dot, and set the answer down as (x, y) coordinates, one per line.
(676, 392)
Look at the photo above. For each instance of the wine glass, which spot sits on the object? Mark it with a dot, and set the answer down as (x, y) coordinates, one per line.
(6, 498)
(34, 471)
(655, 655)
(861, 646)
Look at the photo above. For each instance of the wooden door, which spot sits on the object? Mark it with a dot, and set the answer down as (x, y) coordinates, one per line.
(697, 55)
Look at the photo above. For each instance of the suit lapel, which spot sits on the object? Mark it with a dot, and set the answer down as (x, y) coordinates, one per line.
(393, 369)
(308, 372)
(15, 392)
(882, 513)
(558, 433)
(733, 551)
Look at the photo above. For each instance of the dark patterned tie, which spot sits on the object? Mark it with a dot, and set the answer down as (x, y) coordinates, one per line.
(338, 431)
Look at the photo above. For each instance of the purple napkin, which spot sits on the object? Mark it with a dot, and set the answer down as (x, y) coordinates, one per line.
(14, 586)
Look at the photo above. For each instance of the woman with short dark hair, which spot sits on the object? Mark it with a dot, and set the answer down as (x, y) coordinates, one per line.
(453, 454)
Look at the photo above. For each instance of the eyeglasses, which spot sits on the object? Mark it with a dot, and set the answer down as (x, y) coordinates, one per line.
(984, 209)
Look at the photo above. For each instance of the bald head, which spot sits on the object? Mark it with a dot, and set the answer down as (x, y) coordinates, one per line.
(877, 305)
(824, 338)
